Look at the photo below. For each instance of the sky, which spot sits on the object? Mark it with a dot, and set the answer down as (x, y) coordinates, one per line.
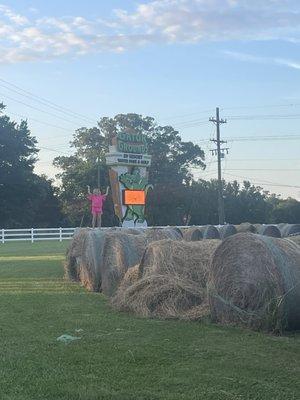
(64, 65)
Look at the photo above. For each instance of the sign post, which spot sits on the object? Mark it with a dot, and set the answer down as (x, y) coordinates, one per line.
(128, 173)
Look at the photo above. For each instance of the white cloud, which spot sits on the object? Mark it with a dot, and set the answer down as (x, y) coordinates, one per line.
(262, 60)
(25, 38)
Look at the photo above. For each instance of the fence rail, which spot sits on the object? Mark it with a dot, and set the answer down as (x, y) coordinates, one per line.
(36, 234)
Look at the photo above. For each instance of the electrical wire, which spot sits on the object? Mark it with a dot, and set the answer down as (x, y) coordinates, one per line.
(42, 100)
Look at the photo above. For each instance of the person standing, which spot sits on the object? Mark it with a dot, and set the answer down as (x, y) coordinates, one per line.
(97, 200)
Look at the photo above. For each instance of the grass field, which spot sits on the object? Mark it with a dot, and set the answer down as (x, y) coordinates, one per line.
(120, 357)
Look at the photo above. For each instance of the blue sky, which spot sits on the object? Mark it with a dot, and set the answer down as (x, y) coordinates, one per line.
(175, 60)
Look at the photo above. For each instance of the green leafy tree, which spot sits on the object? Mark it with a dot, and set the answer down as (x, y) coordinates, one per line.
(287, 210)
(26, 199)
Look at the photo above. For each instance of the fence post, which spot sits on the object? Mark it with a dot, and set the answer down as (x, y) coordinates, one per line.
(60, 234)
(32, 237)
(3, 237)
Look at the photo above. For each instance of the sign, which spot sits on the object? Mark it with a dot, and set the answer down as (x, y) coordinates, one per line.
(129, 162)
(116, 158)
(134, 197)
(132, 143)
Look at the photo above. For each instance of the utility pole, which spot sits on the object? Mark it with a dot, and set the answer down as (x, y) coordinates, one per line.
(219, 152)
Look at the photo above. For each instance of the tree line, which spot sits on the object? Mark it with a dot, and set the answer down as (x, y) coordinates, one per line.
(30, 200)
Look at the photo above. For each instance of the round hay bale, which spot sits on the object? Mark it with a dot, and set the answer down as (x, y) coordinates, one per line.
(178, 230)
(103, 257)
(121, 251)
(281, 225)
(290, 229)
(245, 227)
(227, 230)
(172, 281)
(254, 281)
(269, 230)
(154, 234)
(210, 232)
(192, 234)
(257, 227)
(132, 231)
(295, 239)
(131, 276)
(76, 253)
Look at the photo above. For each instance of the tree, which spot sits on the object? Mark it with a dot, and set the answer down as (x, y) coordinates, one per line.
(172, 159)
(287, 210)
(26, 199)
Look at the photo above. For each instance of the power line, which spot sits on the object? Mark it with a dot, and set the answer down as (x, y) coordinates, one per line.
(55, 150)
(263, 117)
(264, 169)
(38, 109)
(42, 122)
(262, 106)
(44, 101)
(264, 183)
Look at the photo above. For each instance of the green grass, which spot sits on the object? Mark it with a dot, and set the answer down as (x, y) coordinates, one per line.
(120, 357)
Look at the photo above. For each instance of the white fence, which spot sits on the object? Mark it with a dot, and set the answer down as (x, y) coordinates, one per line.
(33, 234)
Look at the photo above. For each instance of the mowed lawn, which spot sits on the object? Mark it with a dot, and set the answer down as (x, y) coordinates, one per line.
(122, 357)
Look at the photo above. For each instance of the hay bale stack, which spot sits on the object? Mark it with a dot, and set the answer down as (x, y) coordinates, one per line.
(245, 227)
(269, 230)
(210, 232)
(172, 282)
(254, 281)
(227, 230)
(290, 229)
(192, 234)
(99, 258)
(154, 234)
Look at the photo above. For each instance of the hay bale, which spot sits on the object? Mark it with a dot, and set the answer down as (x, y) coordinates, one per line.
(290, 229)
(81, 252)
(178, 230)
(192, 234)
(210, 232)
(254, 281)
(103, 257)
(154, 234)
(269, 230)
(245, 227)
(121, 251)
(227, 230)
(295, 239)
(172, 281)
(131, 276)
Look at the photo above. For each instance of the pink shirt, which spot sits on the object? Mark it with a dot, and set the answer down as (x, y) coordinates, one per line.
(97, 202)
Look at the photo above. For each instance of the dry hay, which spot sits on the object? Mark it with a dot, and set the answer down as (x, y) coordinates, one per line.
(245, 227)
(154, 234)
(192, 234)
(131, 276)
(82, 255)
(172, 282)
(227, 230)
(99, 258)
(290, 229)
(254, 281)
(210, 232)
(121, 251)
(295, 239)
(269, 230)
